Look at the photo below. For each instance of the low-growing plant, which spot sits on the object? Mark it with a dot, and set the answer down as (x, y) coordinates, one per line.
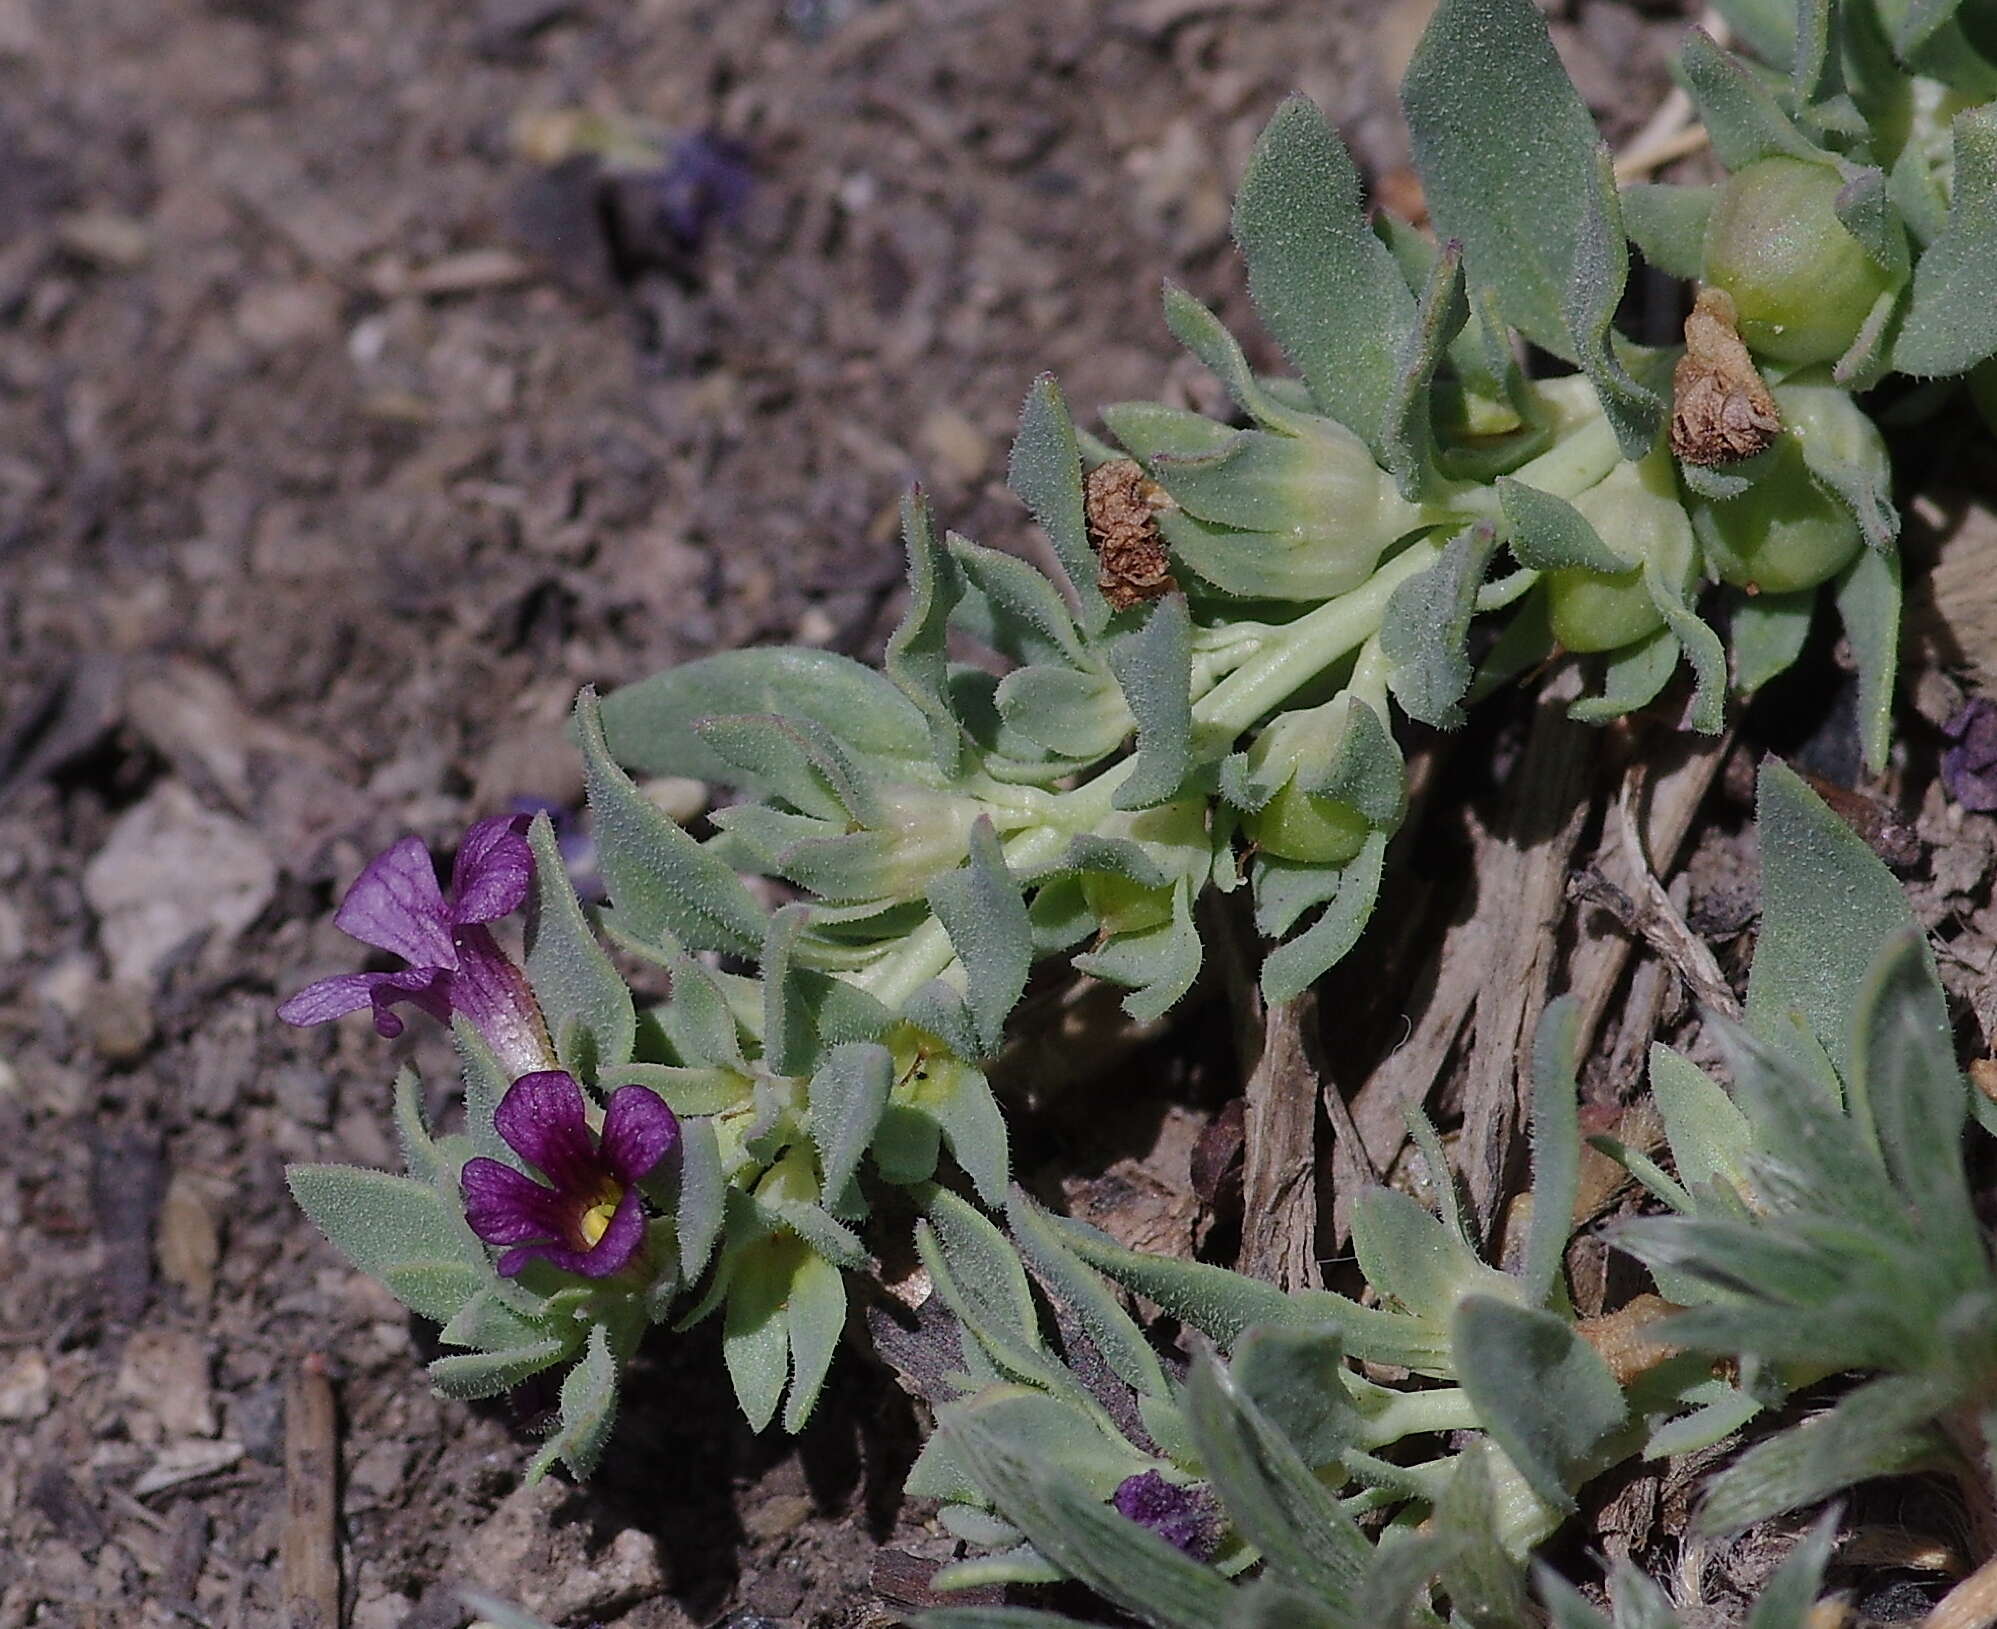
(1818, 1222)
(1199, 697)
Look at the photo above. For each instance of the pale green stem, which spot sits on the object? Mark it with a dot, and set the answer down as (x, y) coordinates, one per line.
(926, 953)
(1308, 646)
(1414, 1413)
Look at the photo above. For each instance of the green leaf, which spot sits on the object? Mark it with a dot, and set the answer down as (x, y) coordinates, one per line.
(1428, 622)
(1542, 1392)
(381, 1222)
(981, 909)
(1202, 333)
(815, 1317)
(589, 1408)
(1739, 111)
(1153, 662)
(1013, 608)
(1087, 1540)
(1410, 1257)
(1915, 22)
(1486, 1586)
(1701, 646)
(1903, 1067)
(1556, 1151)
(1096, 1309)
(755, 1337)
(1297, 1379)
(1828, 904)
(1074, 713)
(994, 1617)
(1710, 1138)
(1951, 321)
(1547, 533)
(1668, 224)
(1367, 771)
(1881, 1429)
(1305, 1536)
(1514, 169)
(1439, 317)
(1788, 1599)
(918, 658)
(1046, 473)
(974, 1130)
(1222, 1305)
(1293, 967)
(1157, 965)
(1634, 678)
(412, 1133)
(849, 1093)
(586, 1004)
(649, 726)
(1325, 285)
(1768, 634)
(468, 1375)
(1868, 602)
(702, 1196)
(667, 889)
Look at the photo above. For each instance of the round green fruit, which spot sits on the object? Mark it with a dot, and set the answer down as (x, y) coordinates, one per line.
(1801, 284)
(1307, 826)
(1783, 534)
(1594, 610)
(1786, 532)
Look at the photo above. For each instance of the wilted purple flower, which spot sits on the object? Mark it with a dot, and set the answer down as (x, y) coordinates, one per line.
(1969, 768)
(590, 1220)
(1184, 1518)
(703, 184)
(455, 964)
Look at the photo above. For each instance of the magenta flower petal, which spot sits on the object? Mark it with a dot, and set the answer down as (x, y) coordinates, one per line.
(494, 995)
(396, 905)
(491, 874)
(610, 1254)
(541, 1119)
(423, 987)
(504, 1206)
(638, 1131)
(329, 999)
(1184, 1518)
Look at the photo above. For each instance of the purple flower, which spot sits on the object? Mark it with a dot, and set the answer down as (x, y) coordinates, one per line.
(455, 964)
(588, 1218)
(1969, 768)
(1183, 1517)
(703, 184)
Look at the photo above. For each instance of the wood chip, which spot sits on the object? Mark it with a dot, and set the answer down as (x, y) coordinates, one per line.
(308, 1555)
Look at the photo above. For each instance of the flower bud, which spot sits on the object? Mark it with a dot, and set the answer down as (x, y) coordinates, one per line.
(1302, 515)
(1786, 532)
(1801, 283)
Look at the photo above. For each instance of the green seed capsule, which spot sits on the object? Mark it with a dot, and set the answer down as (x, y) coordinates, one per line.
(1592, 611)
(1636, 512)
(1801, 283)
(1307, 826)
(1786, 532)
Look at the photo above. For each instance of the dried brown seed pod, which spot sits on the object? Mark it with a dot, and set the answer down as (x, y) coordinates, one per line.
(1122, 505)
(1721, 411)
